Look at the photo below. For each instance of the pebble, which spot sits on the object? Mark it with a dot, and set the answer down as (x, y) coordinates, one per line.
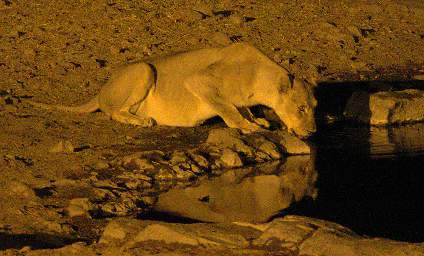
(113, 231)
(101, 165)
(231, 159)
(22, 190)
(199, 159)
(63, 146)
(178, 157)
(270, 149)
(228, 138)
(140, 164)
(78, 207)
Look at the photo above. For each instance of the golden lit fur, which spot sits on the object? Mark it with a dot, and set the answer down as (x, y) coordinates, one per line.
(187, 88)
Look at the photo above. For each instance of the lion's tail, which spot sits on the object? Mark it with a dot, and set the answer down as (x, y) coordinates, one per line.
(88, 107)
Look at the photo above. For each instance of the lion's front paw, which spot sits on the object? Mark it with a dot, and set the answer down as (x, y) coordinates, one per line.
(148, 122)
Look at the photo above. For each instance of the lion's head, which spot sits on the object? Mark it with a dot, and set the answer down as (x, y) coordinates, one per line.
(296, 107)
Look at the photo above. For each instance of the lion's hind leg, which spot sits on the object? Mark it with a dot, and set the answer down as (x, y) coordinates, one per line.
(128, 118)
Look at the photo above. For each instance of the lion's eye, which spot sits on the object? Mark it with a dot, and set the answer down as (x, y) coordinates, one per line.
(302, 109)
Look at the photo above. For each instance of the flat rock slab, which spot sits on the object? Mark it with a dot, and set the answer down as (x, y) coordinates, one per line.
(291, 235)
(386, 107)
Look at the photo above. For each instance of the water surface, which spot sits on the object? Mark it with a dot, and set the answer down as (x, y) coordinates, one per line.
(370, 180)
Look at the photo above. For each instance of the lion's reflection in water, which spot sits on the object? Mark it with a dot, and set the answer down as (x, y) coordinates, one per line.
(250, 194)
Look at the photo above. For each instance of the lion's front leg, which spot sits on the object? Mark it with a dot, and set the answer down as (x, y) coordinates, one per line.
(245, 111)
(206, 88)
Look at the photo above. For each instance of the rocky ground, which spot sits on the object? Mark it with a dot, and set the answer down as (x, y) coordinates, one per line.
(65, 178)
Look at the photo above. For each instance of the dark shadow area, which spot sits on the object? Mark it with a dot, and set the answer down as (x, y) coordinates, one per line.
(35, 241)
(376, 195)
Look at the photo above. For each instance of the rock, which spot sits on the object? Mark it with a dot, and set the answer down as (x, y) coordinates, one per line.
(133, 233)
(100, 165)
(124, 206)
(286, 233)
(149, 156)
(113, 231)
(270, 149)
(387, 107)
(182, 174)
(178, 157)
(228, 138)
(293, 145)
(78, 207)
(139, 164)
(135, 180)
(200, 160)
(158, 232)
(63, 146)
(21, 190)
(323, 242)
(293, 235)
(231, 159)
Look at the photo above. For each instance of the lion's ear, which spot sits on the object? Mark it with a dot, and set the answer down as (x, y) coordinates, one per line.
(312, 80)
(291, 80)
(286, 83)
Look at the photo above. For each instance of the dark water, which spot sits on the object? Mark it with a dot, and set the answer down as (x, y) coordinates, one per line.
(370, 180)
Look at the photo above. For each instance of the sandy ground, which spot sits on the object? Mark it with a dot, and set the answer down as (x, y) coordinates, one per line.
(61, 52)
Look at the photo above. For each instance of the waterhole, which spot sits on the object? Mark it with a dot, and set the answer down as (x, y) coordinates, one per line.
(370, 180)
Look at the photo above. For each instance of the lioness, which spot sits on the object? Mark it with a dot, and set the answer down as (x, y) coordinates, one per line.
(187, 88)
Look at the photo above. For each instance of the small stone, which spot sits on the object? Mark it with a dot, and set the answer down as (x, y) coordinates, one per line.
(148, 200)
(283, 231)
(112, 232)
(21, 190)
(101, 165)
(102, 194)
(123, 207)
(228, 138)
(231, 159)
(270, 149)
(63, 146)
(108, 184)
(178, 157)
(140, 164)
(195, 169)
(79, 207)
(158, 232)
(182, 174)
(164, 174)
(200, 160)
